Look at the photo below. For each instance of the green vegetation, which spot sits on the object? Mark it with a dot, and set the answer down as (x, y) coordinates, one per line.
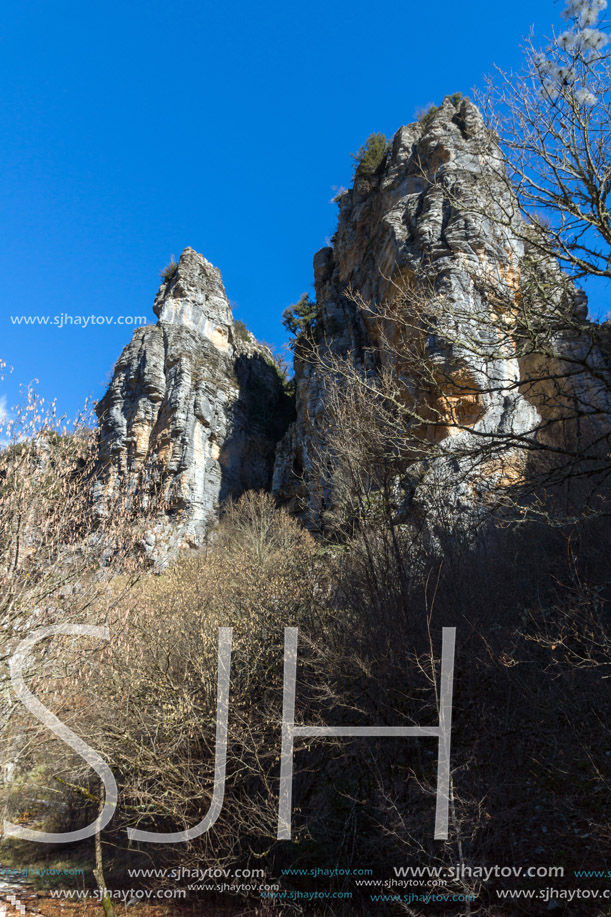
(300, 318)
(241, 332)
(169, 270)
(369, 157)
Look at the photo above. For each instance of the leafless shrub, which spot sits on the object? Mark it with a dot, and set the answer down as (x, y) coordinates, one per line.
(57, 563)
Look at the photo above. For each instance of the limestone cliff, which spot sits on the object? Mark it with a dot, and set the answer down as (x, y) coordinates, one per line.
(196, 406)
(438, 206)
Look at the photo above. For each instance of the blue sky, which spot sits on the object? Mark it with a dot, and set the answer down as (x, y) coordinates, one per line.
(131, 130)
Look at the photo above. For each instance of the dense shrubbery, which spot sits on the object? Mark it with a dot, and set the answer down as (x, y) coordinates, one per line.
(531, 672)
(158, 731)
(60, 564)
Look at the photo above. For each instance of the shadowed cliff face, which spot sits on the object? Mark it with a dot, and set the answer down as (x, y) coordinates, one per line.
(438, 206)
(192, 407)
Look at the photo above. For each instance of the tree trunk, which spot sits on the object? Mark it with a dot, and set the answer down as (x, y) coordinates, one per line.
(98, 872)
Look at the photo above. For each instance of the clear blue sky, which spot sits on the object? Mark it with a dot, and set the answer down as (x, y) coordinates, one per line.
(131, 130)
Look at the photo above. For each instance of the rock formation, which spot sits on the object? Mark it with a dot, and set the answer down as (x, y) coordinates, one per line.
(200, 406)
(438, 207)
(196, 405)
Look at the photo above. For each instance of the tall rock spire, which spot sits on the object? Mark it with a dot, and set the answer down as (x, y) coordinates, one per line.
(194, 408)
(194, 297)
(437, 205)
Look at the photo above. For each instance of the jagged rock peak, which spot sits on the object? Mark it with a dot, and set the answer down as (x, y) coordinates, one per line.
(195, 404)
(194, 297)
(414, 209)
(436, 205)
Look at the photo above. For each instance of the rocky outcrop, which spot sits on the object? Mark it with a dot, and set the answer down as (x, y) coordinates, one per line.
(437, 213)
(196, 406)
(194, 410)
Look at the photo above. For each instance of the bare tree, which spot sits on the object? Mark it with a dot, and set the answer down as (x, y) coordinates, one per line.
(498, 400)
(59, 563)
(553, 120)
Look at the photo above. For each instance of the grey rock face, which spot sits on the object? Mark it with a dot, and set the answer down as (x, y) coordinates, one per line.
(434, 206)
(197, 407)
(191, 408)
(195, 298)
